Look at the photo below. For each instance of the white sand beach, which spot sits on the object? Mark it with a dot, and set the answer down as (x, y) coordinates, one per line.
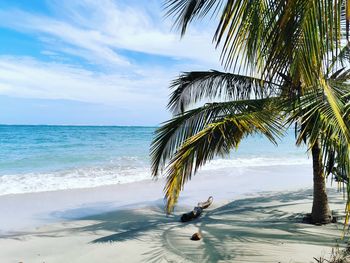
(247, 102)
(248, 222)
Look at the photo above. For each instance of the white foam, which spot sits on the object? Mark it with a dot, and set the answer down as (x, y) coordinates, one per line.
(69, 179)
(255, 162)
(120, 173)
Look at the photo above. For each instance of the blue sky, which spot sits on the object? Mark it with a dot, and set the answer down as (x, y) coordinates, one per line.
(86, 62)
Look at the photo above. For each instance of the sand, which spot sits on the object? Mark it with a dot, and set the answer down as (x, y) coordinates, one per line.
(126, 223)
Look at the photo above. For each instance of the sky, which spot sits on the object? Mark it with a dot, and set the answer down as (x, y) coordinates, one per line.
(88, 62)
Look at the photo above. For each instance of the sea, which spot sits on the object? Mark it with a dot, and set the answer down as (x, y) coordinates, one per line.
(50, 158)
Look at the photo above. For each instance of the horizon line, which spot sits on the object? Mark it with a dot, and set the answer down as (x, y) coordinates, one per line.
(81, 125)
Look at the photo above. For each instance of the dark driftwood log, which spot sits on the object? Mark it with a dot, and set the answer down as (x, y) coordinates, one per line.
(197, 211)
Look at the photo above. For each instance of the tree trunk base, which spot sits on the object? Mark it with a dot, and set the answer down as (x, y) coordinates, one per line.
(324, 221)
(307, 219)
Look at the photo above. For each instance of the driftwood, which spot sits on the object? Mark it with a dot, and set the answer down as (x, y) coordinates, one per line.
(197, 211)
(206, 204)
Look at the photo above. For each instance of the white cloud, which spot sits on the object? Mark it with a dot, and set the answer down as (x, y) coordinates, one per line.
(28, 78)
(103, 27)
(98, 32)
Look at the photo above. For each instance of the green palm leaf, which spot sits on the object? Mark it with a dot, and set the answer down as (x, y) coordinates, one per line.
(173, 133)
(218, 138)
(187, 10)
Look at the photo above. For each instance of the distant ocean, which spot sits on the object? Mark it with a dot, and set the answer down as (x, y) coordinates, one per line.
(48, 158)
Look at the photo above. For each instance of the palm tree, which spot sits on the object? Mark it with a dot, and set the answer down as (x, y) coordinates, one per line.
(286, 64)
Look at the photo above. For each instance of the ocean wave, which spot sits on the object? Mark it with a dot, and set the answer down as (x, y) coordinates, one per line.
(255, 162)
(117, 173)
(70, 179)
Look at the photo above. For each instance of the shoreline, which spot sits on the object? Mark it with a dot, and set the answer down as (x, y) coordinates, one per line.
(28, 210)
(103, 174)
(204, 172)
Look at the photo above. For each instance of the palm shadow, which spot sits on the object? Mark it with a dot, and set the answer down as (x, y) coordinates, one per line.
(266, 220)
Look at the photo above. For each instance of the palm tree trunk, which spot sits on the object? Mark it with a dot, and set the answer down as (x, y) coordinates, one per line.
(321, 214)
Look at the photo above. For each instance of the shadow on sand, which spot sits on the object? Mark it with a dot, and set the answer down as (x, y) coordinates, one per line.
(245, 230)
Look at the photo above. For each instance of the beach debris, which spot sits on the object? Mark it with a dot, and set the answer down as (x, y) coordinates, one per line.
(196, 236)
(197, 211)
(206, 204)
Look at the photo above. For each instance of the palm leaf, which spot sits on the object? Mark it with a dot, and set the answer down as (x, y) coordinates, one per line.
(173, 133)
(193, 87)
(186, 11)
(218, 138)
(318, 122)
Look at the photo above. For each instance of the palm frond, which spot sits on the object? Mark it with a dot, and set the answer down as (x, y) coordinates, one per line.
(218, 138)
(318, 123)
(342, 58)
(337, 107)
(173, 133)
(186, 11)
(192, 87)
(268, 35)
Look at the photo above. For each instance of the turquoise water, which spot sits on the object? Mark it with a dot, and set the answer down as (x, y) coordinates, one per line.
(45, 158)
(47, 148)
